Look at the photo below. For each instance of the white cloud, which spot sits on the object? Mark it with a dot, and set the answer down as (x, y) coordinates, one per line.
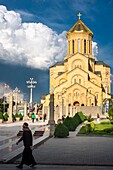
(25, 13)
(94, 49)
(6, 92)
(31, 44)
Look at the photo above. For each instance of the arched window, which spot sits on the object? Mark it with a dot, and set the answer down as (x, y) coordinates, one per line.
(74, 80)
(79, 81)
(96, 96)
(77, 94)
(85, 46)
(78, 45)
(72, 46)
(90, 102)
(89, 48)
(69, 46)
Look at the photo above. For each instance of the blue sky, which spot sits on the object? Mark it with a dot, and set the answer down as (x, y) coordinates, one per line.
(32, 38)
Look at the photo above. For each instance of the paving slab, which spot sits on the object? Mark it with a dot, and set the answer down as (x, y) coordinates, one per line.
(55, 167)
(71, 153)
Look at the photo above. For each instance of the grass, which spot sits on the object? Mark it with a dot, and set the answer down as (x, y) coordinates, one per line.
(103, 128)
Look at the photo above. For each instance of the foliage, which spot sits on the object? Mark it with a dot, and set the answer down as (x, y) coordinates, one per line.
(1, 115)
(21, 116)
(87, 128)
(82, 116)
(92, 126)
(84, 129)
(110, 112)
(90, 119)
(104, 104)
(78, 118)
(69, 123)
(5, 117)
(98, 129)
(16, 115)
(111, 121)
(13, 117)
(3, 107)
(61, 131)
(105, 122)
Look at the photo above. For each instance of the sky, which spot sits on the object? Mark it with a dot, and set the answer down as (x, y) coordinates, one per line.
(33, 38)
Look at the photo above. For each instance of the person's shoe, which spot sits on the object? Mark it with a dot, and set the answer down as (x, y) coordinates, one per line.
(19, 166)
(33, 165)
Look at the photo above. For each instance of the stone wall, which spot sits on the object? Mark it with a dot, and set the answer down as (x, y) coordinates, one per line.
(87, 110)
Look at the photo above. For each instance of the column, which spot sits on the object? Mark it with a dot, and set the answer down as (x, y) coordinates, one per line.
(51, 120)
(10, 107)
(67, 107)
(25, 110)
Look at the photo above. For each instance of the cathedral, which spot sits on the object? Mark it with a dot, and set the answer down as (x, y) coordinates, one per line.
(80, 80)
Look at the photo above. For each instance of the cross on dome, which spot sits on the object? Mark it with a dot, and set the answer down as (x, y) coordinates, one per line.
(79, 15)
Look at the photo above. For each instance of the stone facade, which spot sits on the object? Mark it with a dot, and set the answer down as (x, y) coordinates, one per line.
(79, 80)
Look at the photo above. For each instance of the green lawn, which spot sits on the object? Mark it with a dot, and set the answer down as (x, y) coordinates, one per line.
(104, 128)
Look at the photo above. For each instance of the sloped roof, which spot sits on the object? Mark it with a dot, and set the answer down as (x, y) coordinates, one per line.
(57, 64)
(80, 27)
(101, 63)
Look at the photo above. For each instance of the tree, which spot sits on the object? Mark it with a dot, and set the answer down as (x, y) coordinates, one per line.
(104, 104)
(110, 112)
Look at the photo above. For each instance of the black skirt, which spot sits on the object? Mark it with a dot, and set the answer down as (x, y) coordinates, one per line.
(27, 157)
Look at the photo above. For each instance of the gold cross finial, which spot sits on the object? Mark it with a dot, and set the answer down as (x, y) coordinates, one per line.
(79, 15)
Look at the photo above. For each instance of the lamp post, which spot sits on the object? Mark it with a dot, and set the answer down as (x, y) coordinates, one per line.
(51, 118)
(31, 86)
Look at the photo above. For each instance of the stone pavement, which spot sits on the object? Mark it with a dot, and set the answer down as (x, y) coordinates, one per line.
(72, 153)
(8, 138)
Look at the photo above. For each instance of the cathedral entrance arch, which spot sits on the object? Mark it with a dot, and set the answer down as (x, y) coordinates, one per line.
(76, 103)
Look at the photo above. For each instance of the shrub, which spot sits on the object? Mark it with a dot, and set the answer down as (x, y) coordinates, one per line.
(1, 115)
(69, 123)
(106, 122)
(13, 117)
(111, 121)
(16, 115)
(110, 112)
(21, 116)
(79, 118)
(5, 117)
(82, 116)
(108, 130)
(92, 126)
(61, 131)
(85, 129)
(90, 119)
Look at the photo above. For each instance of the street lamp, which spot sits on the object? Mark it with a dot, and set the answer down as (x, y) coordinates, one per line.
(31, 86)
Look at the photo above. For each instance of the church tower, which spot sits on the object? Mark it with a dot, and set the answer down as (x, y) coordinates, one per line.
(80, 39)
(79, 81)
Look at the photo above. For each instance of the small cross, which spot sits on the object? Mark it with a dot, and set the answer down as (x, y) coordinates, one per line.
(79, 15)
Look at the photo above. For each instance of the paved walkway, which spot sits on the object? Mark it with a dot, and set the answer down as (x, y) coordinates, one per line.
(72, 153)
(8, 138)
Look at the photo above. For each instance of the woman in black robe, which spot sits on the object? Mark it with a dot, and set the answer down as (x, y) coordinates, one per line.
(27, 157)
